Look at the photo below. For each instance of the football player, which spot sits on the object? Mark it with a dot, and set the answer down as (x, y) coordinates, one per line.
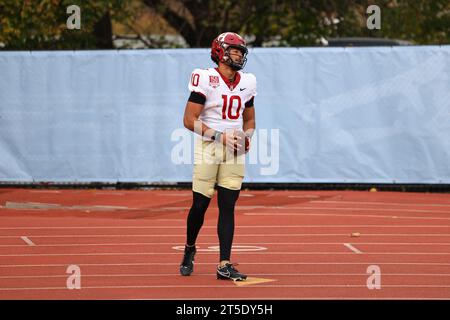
(220, 109)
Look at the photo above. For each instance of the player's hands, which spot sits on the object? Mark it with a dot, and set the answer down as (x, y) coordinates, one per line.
(227, 139)
(236, 142)
(242, 142)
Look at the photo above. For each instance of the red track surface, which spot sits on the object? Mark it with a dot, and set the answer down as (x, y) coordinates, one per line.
(126, 251)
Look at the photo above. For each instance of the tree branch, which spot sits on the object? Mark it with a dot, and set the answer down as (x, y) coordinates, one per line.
(181, 24)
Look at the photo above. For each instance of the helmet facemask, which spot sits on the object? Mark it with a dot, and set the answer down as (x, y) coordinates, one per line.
(228, 60)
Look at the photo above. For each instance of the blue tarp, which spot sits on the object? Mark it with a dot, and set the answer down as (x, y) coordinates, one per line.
(360, 115)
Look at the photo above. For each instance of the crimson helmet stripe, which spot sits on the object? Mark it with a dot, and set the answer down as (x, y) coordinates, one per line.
(231, 38)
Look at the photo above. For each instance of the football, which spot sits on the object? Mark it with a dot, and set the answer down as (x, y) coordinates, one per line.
(241, 143)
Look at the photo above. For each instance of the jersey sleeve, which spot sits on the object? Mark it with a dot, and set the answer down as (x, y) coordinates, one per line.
(252, 80)
(198, 82)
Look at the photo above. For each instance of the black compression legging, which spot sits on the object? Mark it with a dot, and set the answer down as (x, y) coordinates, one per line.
(196, 217)
(226, 200)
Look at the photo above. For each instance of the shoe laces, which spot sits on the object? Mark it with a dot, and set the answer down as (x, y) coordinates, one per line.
(232, 266)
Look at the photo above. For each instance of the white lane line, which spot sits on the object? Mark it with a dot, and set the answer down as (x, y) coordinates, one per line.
(126, 275)
(37, 205)
(341, 215)
(199, 244)
(355, 250)
(101, 208)
(237, 235)
(229, 287)
(354, 209)
(214, 226)
(382, 203)
(51, 206)
(215, 263)
(299, 298)
(330, 253)
(27, 241)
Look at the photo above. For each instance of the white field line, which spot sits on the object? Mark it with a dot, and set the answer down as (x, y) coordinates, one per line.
(119, 275)
(341, 215)
(49, 206)
(214, 263)
(199, 244)
(238, 227)
(296, 298)
(227, 287)
(52, 206)
(236, 235)
(355, 209)
(27, 241)
(331, 253)
(382, 203)
(349, 246)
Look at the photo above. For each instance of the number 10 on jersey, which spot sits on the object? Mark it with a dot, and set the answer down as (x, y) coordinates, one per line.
(227, 107)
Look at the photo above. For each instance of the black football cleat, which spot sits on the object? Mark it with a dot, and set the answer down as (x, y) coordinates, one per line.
(228, 272)
(187, 265)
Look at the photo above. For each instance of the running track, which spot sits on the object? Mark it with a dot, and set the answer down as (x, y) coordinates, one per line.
(123, 242)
